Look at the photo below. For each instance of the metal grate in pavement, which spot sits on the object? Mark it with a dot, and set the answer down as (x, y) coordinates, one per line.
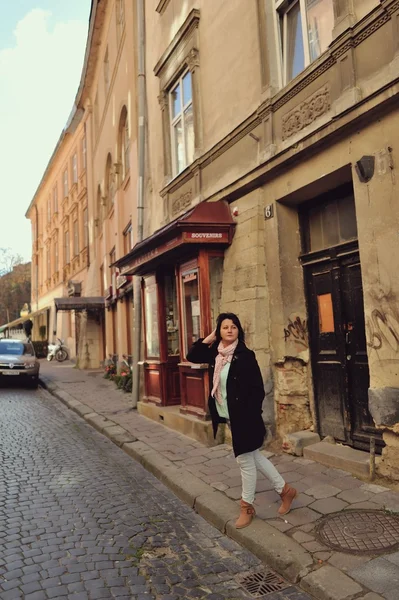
(360, 531)
(261, 583)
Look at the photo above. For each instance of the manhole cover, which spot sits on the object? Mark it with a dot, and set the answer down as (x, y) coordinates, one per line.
(360, 531)
(261, 583)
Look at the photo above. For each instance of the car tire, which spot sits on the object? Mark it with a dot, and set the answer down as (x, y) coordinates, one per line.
(34, 383)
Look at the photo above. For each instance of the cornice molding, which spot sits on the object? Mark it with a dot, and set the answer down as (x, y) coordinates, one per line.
(184, 32)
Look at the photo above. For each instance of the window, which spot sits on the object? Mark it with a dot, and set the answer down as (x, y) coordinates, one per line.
(123, 145)
(65, 183)
(76, 237)
(75, 168)
(48, 260)
(110, 182)
(85, 228)
(125, 148)
(182, 123)
(106, 71)
(305, 32)
(191, 306)
(67, 252)
(56, 262)
(330, 220)
(128, 239)
(84, 157)
(55, 199)
(151, 317)
(49, 209)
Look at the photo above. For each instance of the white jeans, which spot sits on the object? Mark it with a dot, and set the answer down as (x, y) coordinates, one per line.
(248, 463)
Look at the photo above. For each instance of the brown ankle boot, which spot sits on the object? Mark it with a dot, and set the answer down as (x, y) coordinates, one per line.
(247, 513)
(287, 496)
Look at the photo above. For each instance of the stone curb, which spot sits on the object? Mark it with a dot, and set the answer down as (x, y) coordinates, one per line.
(286, 556)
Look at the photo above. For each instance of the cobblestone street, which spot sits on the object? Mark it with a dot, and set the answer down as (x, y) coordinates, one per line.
(81, 520)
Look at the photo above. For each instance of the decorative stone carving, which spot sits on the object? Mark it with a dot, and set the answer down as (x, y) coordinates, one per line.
(182, 202)
(307, 112)
(193, 59)
(163, 100)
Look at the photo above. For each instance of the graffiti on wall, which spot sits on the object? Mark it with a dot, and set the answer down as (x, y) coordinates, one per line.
(383, 330)
(297, 331)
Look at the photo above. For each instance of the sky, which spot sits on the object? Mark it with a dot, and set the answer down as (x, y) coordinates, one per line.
(42, 46)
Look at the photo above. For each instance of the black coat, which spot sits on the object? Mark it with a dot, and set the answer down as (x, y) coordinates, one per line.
(245, 393)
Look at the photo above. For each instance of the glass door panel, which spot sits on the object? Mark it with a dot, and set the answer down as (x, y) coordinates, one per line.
(151, 317)
(191, 308)
(172, 316)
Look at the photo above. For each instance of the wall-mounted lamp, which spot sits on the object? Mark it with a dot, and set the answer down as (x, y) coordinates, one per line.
(365, 168)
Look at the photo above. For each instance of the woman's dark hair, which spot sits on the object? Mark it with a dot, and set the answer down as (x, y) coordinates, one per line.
(236, 321)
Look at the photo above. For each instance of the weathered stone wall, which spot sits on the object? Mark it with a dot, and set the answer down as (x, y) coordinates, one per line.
(244, 289)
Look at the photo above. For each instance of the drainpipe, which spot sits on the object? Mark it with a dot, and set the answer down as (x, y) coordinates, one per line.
(140, 193)
(37, 258)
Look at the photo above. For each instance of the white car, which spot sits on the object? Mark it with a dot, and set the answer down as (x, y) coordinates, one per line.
(18, 362)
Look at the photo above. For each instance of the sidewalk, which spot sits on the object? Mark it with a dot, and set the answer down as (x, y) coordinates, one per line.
(208, 479)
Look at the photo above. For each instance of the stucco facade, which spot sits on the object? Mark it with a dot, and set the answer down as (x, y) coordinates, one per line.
(272, 148)
(107, 94)
(60, 250)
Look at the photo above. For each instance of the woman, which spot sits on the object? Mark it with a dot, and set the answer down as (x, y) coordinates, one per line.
(236, 397)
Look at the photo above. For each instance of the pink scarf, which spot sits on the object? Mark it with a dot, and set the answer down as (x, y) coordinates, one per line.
(225, 356)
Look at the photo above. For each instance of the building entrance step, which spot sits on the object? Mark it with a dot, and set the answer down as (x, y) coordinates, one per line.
(338, 456)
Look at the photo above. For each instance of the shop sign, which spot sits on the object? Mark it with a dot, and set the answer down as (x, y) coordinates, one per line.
(207, 236)
(144, 258)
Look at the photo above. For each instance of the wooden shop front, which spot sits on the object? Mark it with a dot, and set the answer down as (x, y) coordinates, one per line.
(181, 269)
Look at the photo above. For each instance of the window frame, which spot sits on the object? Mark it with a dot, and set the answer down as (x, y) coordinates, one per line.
(181, 54)
(75, 229)
(128, 238)
(67, 248)
(65, 183)
(85, 227)
(56, 255)
(48, 261)
(75, 168)
(55, 199)
(49, 209)
(281, 11)
(84, 153)
(173, 121)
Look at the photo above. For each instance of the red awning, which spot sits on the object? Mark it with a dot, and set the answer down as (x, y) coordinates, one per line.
(207, 223)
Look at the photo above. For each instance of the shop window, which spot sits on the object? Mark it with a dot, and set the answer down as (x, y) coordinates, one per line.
(330, 221)
(191, 307)
(151, 317)
(305, 32)
(172, 316)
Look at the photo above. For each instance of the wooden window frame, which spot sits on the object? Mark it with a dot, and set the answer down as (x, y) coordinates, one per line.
(181, 55)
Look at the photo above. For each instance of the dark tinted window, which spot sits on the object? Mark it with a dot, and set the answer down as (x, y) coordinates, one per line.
(330, 220)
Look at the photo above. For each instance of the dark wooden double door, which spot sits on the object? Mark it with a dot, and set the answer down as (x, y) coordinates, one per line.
(338, 348)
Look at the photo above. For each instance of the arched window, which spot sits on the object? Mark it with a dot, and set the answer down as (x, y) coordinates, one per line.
(99, 209)
(109, 183)
(124, 144)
